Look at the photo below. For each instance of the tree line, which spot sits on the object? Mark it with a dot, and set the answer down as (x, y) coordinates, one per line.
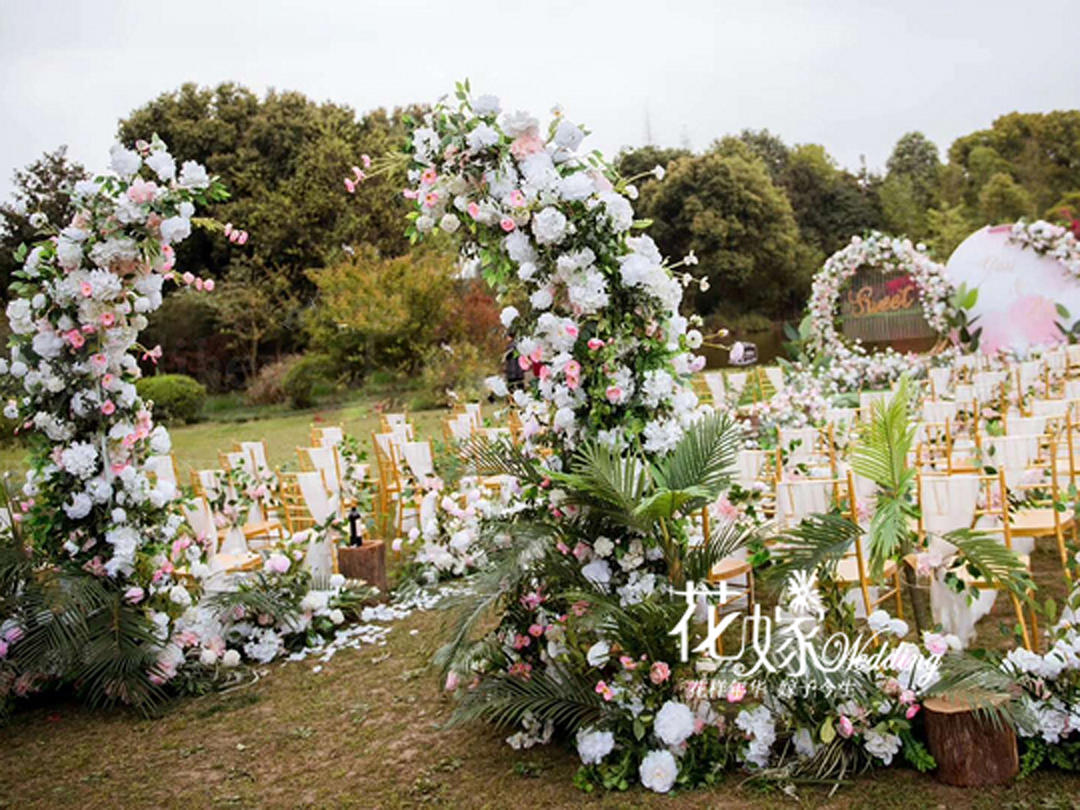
(760, 214)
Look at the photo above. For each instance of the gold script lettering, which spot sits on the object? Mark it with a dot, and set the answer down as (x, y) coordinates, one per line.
(862, 301)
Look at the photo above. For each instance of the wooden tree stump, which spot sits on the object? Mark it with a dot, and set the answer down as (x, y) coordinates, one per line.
(969, 752)
(366, 562)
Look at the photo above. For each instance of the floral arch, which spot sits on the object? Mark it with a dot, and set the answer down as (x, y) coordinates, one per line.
(890, 254)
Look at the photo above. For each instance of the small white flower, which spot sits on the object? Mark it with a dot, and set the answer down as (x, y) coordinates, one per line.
(508, 315)
(486, 105)
(230, 659)
(658, 172)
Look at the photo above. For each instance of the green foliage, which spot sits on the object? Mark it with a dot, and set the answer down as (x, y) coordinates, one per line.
(915, 157)
(901, 208)
(726, 209)
(176, 397)
(1003, 200)
(946, 229)
(304, 376)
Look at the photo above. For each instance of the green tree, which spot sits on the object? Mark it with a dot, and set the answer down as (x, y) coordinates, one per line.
(725, 208)
(284, 158)
(946, 229)
(639, 161)
(42, 187)
(900, 207)
(1002, 199)
(770, 148)
(1039, 150)
(916, 157)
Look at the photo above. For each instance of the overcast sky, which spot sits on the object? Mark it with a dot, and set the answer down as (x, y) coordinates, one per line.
(851, 74)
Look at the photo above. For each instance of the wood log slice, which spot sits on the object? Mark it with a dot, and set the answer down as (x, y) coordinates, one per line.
(367, 563)
(969, 751)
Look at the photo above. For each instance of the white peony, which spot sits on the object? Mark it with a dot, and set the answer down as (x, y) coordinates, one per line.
(674, 723)
(179, 595)
(175, 229)
(519, 123)
(449, 223)
(658, 771)
(336, 616)
(208, 657)
(482, 137)
(881, 745)
(80, 506)
(230, 659)
(162, 164)
(593, 745)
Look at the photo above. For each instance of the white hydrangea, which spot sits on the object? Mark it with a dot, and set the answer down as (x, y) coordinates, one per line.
(193, 175)
(568, 135)
(80, 459)
(577, 186)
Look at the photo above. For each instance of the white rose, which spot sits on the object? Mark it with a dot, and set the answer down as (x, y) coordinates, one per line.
(449, 223)
(231, 658)
(123, 161)
(336, 616)
(179, 595)
(208, 657)
(508, 315)
(486, 105)
(549, 226)
(193, 175)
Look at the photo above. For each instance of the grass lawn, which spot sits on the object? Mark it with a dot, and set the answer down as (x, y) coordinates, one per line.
(367, 732)
(197, 446)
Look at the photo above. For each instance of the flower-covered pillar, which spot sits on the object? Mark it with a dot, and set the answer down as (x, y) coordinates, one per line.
(76, 310)
(596, 324)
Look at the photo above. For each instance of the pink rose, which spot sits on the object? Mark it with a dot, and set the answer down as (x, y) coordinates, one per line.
(912, 710)
(507, 224)
(846, 729)
(659, 672)
(595, 344)
(473, 210)
(736, 692)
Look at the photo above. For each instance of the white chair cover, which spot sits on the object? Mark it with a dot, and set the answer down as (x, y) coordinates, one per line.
(714, 380)
(332, 436)
(948, 504)
(940, 378)
(418, 457)
(256, 451)
(775, 376)
(964, 395)
(736, 382)
(800, 443)
(1072, 387)
(952, 611)
(1025, 425)
(1029, 373)
(473, 410)
(461, 427)
(324, 459)
(987, 384)
(320, 503)
(1012, 453)
(941, 410)
(797, 499)
(749, 464)
(162, 467)
(867, 400)
(1049, 408)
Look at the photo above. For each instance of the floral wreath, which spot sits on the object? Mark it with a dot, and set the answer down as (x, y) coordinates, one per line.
(1047, 239)
(890, 254)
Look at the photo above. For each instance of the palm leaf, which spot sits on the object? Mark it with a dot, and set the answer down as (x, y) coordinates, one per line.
(703, 458)
(992, 562)
(817, 540)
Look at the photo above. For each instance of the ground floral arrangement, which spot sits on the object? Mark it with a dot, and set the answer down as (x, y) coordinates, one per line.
(579, 577)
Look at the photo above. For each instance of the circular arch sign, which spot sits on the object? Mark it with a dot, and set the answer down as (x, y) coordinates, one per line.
(1018, 290)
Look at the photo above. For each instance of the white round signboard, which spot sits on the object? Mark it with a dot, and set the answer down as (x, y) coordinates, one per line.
(1018, 290)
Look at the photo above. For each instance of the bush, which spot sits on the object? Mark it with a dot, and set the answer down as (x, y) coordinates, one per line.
(176, 397)
(459, 370)
(304, 376)
(268, 387)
